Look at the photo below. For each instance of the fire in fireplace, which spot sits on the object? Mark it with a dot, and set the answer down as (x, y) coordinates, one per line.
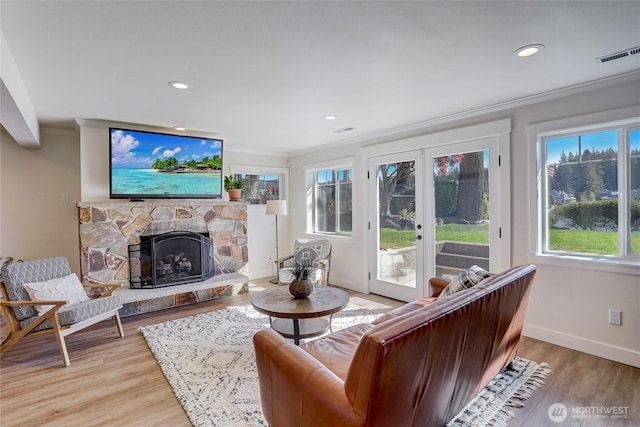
(170, 259)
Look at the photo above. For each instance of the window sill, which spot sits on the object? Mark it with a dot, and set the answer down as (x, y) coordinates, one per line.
(588, 263)
(328, 236)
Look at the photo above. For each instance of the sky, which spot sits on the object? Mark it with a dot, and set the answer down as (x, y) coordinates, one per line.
(600, 141)
(134, 149)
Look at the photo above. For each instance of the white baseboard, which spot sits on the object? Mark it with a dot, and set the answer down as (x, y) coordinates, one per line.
(254, 275)
(596, 348)
(346, 284)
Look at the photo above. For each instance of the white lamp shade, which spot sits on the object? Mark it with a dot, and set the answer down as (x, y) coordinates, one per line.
(277, 207)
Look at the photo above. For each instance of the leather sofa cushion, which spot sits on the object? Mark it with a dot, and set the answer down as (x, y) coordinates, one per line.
(336, 350)
(407, 308)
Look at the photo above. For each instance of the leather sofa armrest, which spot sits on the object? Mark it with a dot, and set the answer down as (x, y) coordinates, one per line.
(437, 285)
(295, 388)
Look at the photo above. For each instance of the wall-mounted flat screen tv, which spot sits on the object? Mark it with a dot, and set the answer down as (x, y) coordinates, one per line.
(150, 165)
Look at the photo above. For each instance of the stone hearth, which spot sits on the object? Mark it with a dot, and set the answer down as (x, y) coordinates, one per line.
(138, 301)
(108, 228)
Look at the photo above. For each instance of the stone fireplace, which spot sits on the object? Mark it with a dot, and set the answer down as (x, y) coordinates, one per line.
(107, 229)
(170, 259)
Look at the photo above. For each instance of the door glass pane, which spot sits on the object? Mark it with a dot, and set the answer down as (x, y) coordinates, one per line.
(634, 206)
(461, 201)
(396, 215)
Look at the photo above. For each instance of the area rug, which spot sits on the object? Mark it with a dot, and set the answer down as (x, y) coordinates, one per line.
(509, 389)
(209, 362)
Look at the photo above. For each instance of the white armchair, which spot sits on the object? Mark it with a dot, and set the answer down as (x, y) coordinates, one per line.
(316, 250)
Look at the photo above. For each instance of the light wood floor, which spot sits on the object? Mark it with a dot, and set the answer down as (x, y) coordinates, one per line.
(116, 382)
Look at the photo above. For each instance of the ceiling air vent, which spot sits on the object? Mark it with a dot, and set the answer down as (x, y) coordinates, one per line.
(619, 55)
(347, 129)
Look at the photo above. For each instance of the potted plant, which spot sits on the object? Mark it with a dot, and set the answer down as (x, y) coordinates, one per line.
(234, 186)
(301, 269)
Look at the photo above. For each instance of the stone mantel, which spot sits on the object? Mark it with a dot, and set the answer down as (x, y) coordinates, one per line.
(124, 203)
(107, 228)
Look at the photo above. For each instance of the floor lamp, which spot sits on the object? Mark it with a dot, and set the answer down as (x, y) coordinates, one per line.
(276, 207)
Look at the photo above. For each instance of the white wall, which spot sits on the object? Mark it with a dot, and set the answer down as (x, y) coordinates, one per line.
(569, 305)
(262, 227)
(35, 223)
(347, 256)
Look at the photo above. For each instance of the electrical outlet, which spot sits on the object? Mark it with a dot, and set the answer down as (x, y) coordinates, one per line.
(65, 199)
(615, 317)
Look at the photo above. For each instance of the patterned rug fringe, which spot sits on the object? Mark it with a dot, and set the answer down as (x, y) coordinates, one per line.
(530, 386)
(509, 389)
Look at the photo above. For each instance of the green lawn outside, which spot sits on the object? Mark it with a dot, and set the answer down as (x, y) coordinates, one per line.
(589, 242)
(579, 241)
(394, 239)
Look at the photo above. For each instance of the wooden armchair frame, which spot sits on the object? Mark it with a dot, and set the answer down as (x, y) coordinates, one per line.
(16, 333)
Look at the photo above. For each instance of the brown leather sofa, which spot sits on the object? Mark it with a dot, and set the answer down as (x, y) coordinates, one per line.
(418, 365)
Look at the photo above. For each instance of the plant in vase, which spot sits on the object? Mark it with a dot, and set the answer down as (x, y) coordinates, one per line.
(301, 269)
(234, 186)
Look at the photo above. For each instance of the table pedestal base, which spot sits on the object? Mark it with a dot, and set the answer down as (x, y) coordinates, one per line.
(303, 328)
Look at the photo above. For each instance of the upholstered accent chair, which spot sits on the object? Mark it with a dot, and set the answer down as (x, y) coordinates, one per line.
(32, 316)
(318, 251)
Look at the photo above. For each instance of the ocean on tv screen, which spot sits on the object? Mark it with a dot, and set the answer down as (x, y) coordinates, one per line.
(145, 182)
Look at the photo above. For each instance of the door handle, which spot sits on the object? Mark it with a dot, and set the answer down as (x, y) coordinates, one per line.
(418, 237)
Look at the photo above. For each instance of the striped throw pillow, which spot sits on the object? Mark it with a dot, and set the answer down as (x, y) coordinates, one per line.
(465, 280)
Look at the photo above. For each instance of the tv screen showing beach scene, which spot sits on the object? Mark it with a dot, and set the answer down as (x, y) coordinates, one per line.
(150, 165)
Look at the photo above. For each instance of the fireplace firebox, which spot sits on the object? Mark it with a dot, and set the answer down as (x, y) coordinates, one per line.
(169, 259)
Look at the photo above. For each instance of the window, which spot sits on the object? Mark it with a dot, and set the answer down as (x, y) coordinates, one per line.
(589, 190)
(332, 200)
(260, 188)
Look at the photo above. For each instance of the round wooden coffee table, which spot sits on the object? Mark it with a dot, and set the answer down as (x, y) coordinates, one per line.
(306, 313)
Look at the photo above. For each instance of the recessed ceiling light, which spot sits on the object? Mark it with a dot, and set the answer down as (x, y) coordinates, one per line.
(528, 50)
(179, 128)
(179, 85)
(330, 117)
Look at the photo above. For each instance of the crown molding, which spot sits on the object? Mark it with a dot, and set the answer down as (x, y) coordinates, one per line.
(256, 152)
(424, 125)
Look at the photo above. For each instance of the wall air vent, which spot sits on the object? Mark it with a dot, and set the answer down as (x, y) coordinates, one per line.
(347, 129)
(619, 55)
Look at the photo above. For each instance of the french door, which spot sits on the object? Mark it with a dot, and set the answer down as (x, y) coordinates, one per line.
(432, 214)
(397, 187)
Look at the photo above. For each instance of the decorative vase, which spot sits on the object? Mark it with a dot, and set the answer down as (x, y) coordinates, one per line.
(300, 288)
(235, 194)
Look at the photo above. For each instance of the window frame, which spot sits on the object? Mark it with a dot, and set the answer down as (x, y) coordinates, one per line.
(311, 176)
(624, 121)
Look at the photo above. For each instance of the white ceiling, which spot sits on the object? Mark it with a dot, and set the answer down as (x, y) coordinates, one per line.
(264, 74)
